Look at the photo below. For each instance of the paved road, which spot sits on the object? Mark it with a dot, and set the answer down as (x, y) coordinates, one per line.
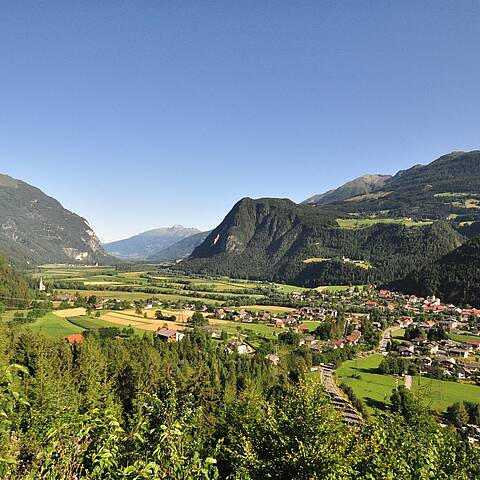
(386, 339)
(337, 396)
(408, 382)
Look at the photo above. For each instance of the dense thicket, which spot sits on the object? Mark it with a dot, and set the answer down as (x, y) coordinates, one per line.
(14, 287)
(144, 409)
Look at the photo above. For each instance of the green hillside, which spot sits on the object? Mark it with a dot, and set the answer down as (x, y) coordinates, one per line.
(448, 188)
(276, 239)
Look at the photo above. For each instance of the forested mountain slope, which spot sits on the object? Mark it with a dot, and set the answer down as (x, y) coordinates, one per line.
(14, 287)
(278, 240)
(147, 244)
(455, 277)
(36, 229)
(447, 188)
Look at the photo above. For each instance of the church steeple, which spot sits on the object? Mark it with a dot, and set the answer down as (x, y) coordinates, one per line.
(41, 285)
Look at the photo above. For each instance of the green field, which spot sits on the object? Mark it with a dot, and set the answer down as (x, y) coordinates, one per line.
(108, 282)
(89, 323)
(138, 296)
(398, 334)
(464, 337)
(53, 327)
(335, 288)
(375, 389)
(312, 325)
(350, 223)
(258, 328)
(9, 314)
(290, 288)
(439, 394)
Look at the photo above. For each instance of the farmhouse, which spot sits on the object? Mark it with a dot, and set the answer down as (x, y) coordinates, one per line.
(430, 348)
(169, 336)
(459, 352)
(353, 338)
(471, 345)
(241, 347)
(338, 343)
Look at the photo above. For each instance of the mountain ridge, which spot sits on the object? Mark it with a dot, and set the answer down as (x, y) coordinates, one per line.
(35, 228)
(278, 240)
(181, 249)
(358, 186)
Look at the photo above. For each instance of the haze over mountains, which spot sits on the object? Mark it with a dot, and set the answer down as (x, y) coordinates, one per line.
(181, 249)
(149, 244)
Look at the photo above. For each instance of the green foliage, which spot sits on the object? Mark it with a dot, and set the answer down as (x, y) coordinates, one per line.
(198, 320)
(14, 287)
(143, 409)
(11, 398)
(457, 414)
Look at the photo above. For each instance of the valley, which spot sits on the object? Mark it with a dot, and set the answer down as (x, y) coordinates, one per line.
(260, 316)
(361, 313)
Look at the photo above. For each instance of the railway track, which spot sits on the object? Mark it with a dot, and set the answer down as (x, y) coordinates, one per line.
(337, 396)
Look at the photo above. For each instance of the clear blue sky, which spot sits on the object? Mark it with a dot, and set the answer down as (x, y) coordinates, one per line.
(138, 114)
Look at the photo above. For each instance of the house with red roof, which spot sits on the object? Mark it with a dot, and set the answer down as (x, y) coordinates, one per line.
(75, 338)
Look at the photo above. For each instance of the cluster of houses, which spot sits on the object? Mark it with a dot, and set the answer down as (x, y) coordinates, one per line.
(441, 357)
(417, 305)
(289, 320)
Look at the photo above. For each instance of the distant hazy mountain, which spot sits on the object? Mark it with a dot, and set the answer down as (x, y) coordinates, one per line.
(359, 186)
(146, 244)
(36, 229)
(181, 249)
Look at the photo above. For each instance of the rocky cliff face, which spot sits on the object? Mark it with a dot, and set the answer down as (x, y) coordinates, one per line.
(36, 229)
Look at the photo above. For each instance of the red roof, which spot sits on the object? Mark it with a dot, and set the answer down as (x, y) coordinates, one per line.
(75, 338)
(353, 337)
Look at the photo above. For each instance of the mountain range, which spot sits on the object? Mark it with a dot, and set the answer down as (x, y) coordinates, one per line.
(417, 230)
(36, 229)
(181, 249)
(150, 245)
(388, 228)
